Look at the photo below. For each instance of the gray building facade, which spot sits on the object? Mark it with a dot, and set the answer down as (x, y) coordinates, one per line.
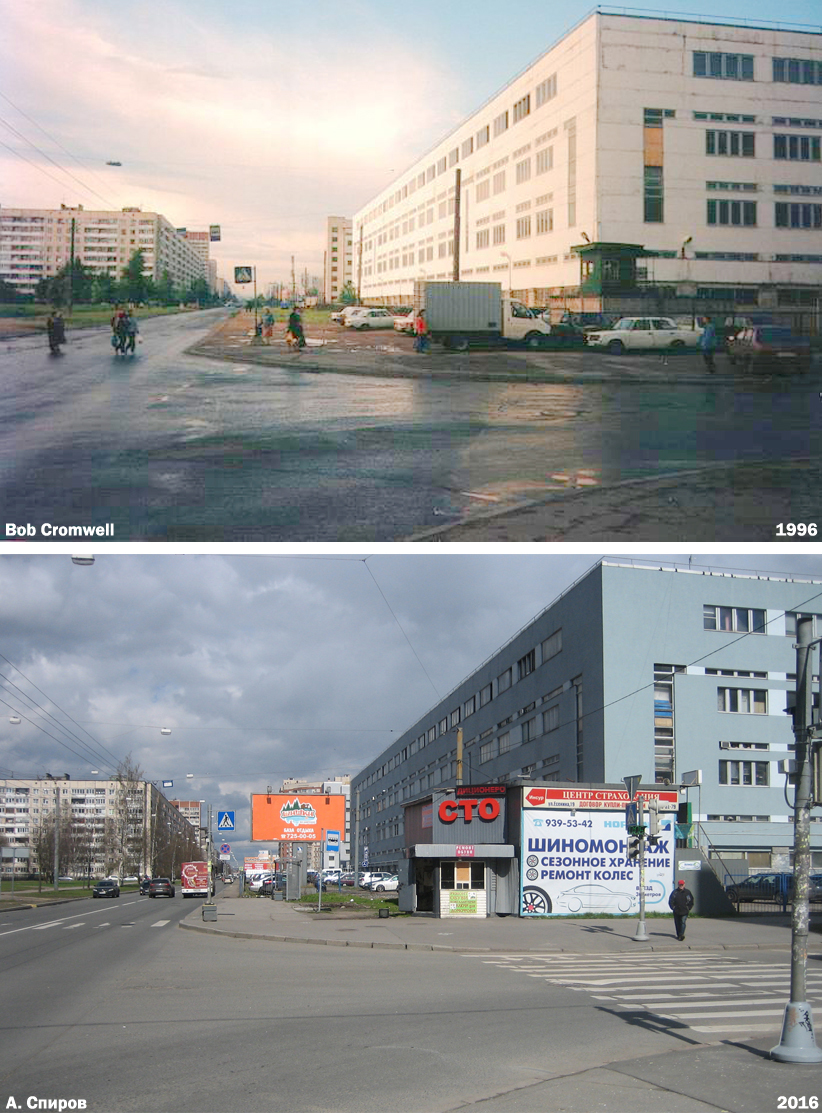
(673, 673)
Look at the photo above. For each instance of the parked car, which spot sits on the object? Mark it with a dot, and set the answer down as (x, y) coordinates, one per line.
(641, 334)
(347, 879)
(761, 886)
(337, 315)
(372, 318)
(406, 323)
(351, 311)
(386, 884)
(65, 877)
(586, 322)
(256, 881)
(368, 879)
(129, 880)
(160, 886)
(563, 335)
(227, 880)
(270, 885)
(108, 887)
(762, 345)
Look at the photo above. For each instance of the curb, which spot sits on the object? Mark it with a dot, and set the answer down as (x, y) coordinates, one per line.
(664, 948)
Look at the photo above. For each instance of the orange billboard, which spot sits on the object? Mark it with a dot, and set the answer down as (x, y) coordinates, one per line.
(295, 816)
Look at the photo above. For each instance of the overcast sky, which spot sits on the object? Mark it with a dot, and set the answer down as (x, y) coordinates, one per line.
(262, 118)
(263, 667)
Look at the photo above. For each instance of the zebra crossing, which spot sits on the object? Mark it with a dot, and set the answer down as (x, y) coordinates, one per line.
(716, 996)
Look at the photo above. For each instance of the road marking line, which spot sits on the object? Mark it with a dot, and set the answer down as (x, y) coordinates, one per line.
(714, 1016)
(161, 923)
(71, 927)
(42, 927)
(746, 1028)
(105, 925)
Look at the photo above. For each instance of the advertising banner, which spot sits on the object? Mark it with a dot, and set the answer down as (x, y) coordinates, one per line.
(296, 817)
(602, 798)
(577, 864)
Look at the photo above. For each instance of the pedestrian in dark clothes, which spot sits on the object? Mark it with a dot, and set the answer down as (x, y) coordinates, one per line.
(681, 901)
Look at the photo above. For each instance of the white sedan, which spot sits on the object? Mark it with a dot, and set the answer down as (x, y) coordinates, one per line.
(407, 323)
(385, 884)
(641, 334)
(372, 318)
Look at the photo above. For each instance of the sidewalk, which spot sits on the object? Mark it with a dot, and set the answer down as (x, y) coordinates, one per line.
(738, 1077)
(282, 922)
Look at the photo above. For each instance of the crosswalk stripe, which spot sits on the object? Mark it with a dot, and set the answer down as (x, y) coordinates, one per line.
(160, 923)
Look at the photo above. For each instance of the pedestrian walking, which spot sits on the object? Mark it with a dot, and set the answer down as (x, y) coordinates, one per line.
(681, 901)
(707, 344)
(421, 340)
(130, 331)
(56, 330)
(295, 334)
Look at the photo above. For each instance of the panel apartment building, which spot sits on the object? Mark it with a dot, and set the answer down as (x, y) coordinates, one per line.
(106, 826)
(638, 156)
(657, 671)
(36, 243)
(338, 256)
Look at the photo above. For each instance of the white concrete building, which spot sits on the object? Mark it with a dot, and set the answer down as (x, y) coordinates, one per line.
(636, 152)
(338, 256)
(36, 243)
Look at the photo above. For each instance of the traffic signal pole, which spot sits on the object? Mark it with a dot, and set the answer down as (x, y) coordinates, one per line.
(641, 934)
(798, 1044)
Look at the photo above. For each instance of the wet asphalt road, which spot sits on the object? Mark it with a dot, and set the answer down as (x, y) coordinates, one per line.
(167, 446)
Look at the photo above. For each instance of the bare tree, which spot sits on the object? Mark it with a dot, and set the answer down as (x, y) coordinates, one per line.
(126, 833)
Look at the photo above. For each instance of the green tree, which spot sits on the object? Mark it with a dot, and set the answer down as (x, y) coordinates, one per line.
(166, 291)
(198, 291)
(135, 285)
(8, 292)
(104, 288)
(348, 295)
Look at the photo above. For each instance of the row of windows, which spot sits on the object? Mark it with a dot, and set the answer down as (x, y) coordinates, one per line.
(750, 620)
(740, 67)
(793, 148)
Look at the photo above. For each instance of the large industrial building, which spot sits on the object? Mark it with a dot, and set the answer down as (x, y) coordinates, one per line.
(37, 243)
(679, 675)
(640, 157)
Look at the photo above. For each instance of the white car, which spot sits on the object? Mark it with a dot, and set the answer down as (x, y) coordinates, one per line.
(641, 334)
(407, 323)
(372, 318)
(385, 885)
(344, 318)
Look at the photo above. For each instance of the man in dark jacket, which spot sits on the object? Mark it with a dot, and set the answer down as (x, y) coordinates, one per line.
(681, 901)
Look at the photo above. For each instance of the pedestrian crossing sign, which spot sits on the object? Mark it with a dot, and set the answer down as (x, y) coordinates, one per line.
(225, 821)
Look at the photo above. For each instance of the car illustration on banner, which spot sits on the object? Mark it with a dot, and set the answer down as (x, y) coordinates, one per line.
(591, 897)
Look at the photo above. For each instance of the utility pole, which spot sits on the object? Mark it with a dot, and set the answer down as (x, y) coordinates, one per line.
(71, 271)
(798, 1044)
(635, 826)
(457, 199)
(293, 282)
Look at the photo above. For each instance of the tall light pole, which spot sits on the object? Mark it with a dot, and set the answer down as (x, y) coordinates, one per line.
(798, 1044)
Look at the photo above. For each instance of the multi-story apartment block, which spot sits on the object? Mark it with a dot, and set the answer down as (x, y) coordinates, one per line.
(105, 826)
(36, 243)
(337, 256)
(659, 671)
(637, 157)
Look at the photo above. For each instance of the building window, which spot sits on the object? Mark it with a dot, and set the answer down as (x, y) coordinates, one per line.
(653, 195)
(501, 124)
(529, 730)
(462, 875)
(523, 171)
(552, 645)
(738, 619)
(522, 108)
(797, 71)
(499, 182)
(545, 160)
(744, 773)
(545, 221)
(742, 701)
(483, 190)
(483, 237)
(504, 681)
(486, 695)
(546, 90)
(738, 67)
(483, 136)
(505, 742)
(443, 726)
(487, 751)
(469, 707)
(550, 719)
(467, 147)
(797, 215)
(432, 733)
(455, 717)
(523, 227)
(526, 664)
(740, 213)
(790, 623)
(731, 143)
(499, 233)
(801, 148)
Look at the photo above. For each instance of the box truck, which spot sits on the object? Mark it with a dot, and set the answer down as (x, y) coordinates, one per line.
(459, 314)
(194, 877)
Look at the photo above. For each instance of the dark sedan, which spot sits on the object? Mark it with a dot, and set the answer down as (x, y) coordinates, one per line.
(769, 345)
(762, 886)
(106, 888)
(160, 886)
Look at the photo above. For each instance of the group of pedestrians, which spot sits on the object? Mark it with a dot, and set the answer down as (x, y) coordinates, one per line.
(124, 331)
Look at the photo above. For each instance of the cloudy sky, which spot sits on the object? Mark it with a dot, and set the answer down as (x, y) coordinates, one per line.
(264, 667)
(262, 118)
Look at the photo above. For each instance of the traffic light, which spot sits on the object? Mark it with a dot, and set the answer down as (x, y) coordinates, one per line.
(633, 847)
(653, 823)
